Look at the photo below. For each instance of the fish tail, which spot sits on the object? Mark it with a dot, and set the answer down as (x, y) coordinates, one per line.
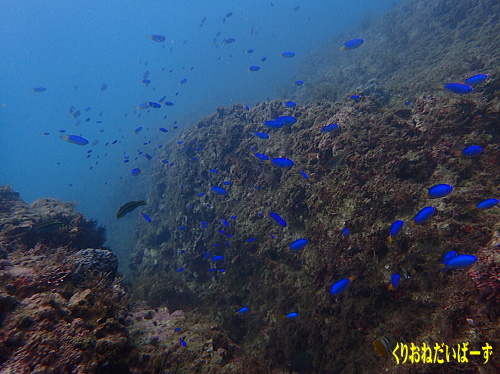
(267, 162)
(389, 239)
(391, 287)
(352, 277)
(342, 48)
(457, 153)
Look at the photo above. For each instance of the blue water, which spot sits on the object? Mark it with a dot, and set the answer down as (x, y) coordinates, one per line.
(73, 47)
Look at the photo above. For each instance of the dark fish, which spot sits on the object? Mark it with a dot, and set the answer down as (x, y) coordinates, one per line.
(129, 207)
(104, 86)
(49, 226)
(157, 38)
(254, 68)
(39, 89)
(288, 54)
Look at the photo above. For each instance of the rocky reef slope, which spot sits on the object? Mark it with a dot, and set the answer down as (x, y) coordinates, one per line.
(374, 169)
(416, 46)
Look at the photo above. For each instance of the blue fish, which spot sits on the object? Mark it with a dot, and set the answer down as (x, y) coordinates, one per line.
(75, 139)
(228, 41)
(472, 151)
(298, 244)
(282, 162)
(104, 86)
(263, 59)
(154, 105)
(299, 83)
(458, 88)
(476, 79)
(135, 171)
(261, 156)
(449, 256)
(355, 97)
(288, 54)
(352, 44)
(329, 128)
(146, 82)
(182, 342)
(395, 229)
(424, 214)
(219, 190)
(183, 80)
(157, 38)
(138, 130)
(274, 124)
(254, 68)
(341, 285)
(217, 258)
(345, 232)
(304, 174)
(224, 222)
(290, 104)
(395, 279)
(291, 315)
(439, 190)
(162, 129)
(286, 120)
(242, 310)
(459, 261)
(39, 89)
(487, 204)
(261, 135)
(145, 217)
(249, 51)
(168, 103)
(277, 218)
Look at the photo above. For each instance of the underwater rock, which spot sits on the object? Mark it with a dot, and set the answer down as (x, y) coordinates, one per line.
(101, 262)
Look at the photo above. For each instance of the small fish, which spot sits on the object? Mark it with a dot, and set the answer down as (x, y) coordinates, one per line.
(298, 244)
(224, 222)
(104, 86)
(145, 217)
(290, 104)
(352, 44)
(299, 83)
(129, 207)
(395, 229)
(382, 346)
(75, 139)
(439, 190)
(152, 104)
(145, 82)
(217, 258)
(142, 106)
(329, 128)
(286, 120)
(291, 315)
(183, 80)
(39, 89)
(242, 310)
(138, 130)
(162, 129)
(229, 14)
(263, 59)
(157, 38)
(304, 174)
(395, 279)
(458, 88)
(49, 226)
(250, 51)
(459, 261)
(471, 151)
(261, 135)
(281, 162)
(169, 103)
(180, 270)
(341, 285)
(355, 97)
(228, 41)
(261, 156)
(135, 172)
(476, 79)
(288, 54)
(218, 190)
(424, 214)
(76, 114)
(345, 232)
(182, 342)
(254, 68)
(487, 204)
(277, 218)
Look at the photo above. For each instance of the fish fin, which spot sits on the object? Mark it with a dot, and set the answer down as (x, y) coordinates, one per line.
(352, 277)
